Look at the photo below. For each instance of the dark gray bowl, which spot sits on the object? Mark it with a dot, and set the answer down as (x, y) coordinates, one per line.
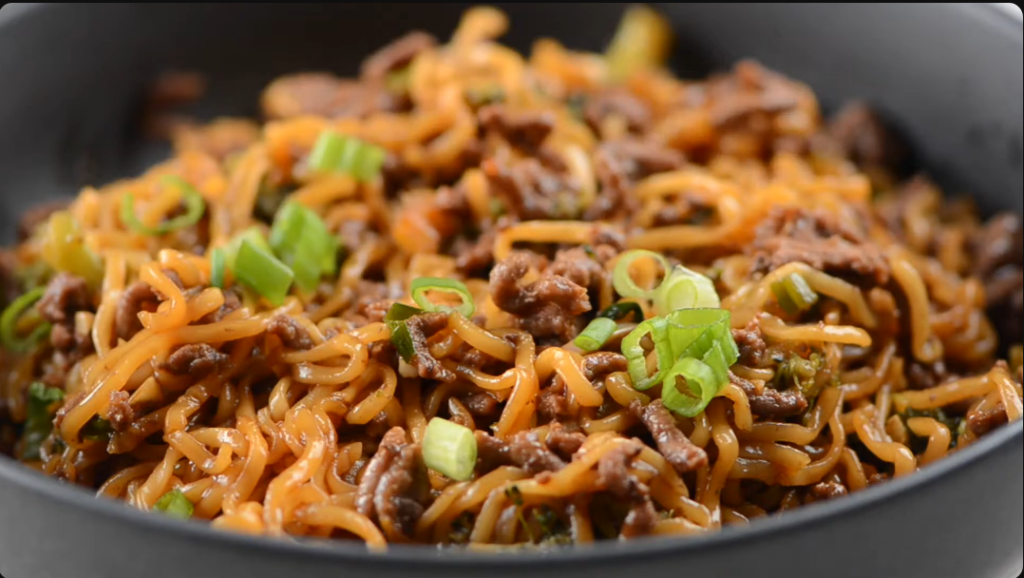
(70, 81)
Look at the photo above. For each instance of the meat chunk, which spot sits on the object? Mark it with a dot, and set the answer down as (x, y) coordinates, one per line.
(613, 474)
(292, 334)
(602, 364)
(65, 295)
(232, 303)
(532, 191)
(672, 443)
(326, 95)
(196, 359)
(982, 421)
(584, 267)
(136, 298)
(523, 450)
(772, 404)
(820, 240)
(421, 327)
(396, 512)
(31, 220)
(564, 443)
(617, 102)
(829, 491)
(397, 55)
(546, 307)
(552, 403)
(525, 130)
(481, 405)
(120, 413)
(390, 447)
(751, 90)
(619, 165)
(863, 138)
(751, 344)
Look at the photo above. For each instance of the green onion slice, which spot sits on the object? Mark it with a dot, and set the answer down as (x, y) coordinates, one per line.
(794, 294)
(701, 387)
(423, 285)
(65, 250)
(303, 242)
(218, 268)
(43, 403)
(623, 280)
(622, 310)
(11, 317)
(636, 355)
(400, 338)
(450, 449)
(194, 208)
(596, 334)
(175, 504)
(259, 270)
(686, 289)
(337, 153)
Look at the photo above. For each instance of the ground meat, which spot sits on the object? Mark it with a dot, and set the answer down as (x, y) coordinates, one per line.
(397, 55)
(751, 344)
(547, 307)
(614, 476)
(396, 512)
(616, 102)
(390, 447)
(120, 413)
(481, 405)
(772, 404)
(421, 327)
(138, 297)
(376, 312)
(749, 91)
(197, 360)
(862, 137)
(523, 450)
(322, 94)
(292, 334)
(983, 421)
(564, 443)
(525, 129)
(672, 443)
(603, 363)
(37, 215)
(232, 303)
(829, 491)
(531, 191)
(619, 165)
(472, 257)
(922, 376)
(578, 266)
(65, 295)
(820, 240)
(552, 404)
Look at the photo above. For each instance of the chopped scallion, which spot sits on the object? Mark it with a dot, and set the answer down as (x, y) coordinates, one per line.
(423, 285)
(11, 318)
(42, 406)
(302, 241)
(337, 153)
(622, 278)
(400, 338)
(622, 310)
(64, 249)
(685, 289)
(450, 449)
(794, 295)
(218, 268)
(262, 272)
(175, 504)
(596, 334)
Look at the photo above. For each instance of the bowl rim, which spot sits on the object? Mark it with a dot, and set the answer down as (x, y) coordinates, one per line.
(399, 556)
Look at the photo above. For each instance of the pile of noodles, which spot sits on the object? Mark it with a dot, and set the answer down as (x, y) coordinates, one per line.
(274, 441)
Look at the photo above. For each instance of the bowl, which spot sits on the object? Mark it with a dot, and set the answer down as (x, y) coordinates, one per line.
(72, 77)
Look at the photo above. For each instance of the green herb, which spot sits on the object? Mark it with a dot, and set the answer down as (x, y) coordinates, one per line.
(596, 334)
(423, 285)
(263, 273)
(622, 310)
(794, 295)
(337, 153)
(395, 319)
(43, 403)
(13, 315)
(97, 430)
(175, 504)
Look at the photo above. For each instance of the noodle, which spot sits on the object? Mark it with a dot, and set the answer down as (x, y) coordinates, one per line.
(480, 209)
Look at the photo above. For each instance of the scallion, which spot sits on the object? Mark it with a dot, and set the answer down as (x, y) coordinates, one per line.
(450, 449)
(685, 289)
(623, 281)
(42, 406)
(64, 249)
(194, 208)
(701, 335)
(622, 310)
(302, 241)
(97, 430)
(400, 338)
(11, 318)
(337, 153)
(794, 295)
(596, 334)
(423, 285)
(175, 504)
(262, 272)
(218, 268)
